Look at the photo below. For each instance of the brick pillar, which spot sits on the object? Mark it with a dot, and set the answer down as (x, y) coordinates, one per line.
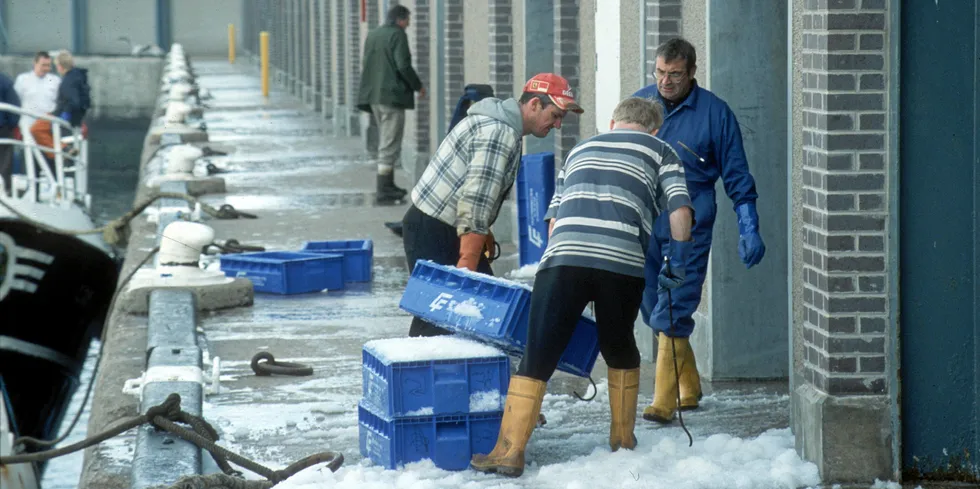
(567, 65)
(454, 69)
(502, 48)
(325, 43)
(421, 23)
(663, 23)
(354, 70)
(373, 14)
(844, 399)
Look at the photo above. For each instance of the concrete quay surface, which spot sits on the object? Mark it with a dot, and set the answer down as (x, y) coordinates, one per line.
(285, 165)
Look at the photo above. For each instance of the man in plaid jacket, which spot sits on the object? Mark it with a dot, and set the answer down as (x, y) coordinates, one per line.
(460, 193)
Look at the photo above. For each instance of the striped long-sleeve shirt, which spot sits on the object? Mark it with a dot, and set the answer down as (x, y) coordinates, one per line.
(609, 192)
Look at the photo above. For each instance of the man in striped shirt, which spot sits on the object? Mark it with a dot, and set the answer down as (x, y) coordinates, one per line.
(458, 197)
(609, 192)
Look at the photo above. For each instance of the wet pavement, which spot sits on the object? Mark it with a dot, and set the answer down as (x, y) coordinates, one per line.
(303, 183)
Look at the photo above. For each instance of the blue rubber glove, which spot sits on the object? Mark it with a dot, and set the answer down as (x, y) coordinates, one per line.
(750, 246)
(673, 272)
(65, 116)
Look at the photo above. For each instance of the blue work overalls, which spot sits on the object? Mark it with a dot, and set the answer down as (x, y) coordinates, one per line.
(707, 126)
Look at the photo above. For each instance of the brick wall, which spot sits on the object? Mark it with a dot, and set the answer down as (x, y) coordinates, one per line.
(501, 48)
(420, 56)
(663, 23)
(454, 68)
(845, 210)
(567, 65)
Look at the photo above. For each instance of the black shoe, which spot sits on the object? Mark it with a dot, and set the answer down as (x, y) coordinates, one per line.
(395, 227)
(387, 192)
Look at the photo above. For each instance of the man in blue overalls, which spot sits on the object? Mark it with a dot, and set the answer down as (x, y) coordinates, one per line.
(703, 131)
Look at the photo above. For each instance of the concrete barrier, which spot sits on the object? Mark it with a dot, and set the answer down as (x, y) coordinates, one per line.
(123, 87)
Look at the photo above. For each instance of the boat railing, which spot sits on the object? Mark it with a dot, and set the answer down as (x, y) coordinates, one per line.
(57, 176)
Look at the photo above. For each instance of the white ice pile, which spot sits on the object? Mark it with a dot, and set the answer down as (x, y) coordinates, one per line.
(660, 461)
(429, 348)
(468, 308)
(525, 272)
(481, 402)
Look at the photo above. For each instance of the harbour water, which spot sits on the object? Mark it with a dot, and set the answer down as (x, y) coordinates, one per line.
(114, 153)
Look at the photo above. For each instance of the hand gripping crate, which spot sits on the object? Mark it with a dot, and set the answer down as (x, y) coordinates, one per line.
(358, 256)
(286, 272)
(435, 375)
(490, 309)
(448, 440)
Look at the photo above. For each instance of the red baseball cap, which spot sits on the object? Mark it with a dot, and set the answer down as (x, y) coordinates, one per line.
(556, 88)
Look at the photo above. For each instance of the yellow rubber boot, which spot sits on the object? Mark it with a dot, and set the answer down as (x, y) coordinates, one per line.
(690, 379)
(665, 386)
(624, 387)
(520, 416)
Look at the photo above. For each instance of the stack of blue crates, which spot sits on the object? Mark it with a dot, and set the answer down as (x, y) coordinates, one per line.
(444, 406)
(434, 292)
(286, 272)
(358, 256)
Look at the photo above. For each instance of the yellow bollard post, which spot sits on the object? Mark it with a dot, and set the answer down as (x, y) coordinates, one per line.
(231, 43)
(264, 55)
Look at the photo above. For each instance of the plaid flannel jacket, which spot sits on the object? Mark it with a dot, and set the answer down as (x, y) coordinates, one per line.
(468, 177)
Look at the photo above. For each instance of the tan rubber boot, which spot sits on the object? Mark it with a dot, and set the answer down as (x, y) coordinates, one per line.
(624, 387)
(690, 379)
(520, 416)
(665, 386)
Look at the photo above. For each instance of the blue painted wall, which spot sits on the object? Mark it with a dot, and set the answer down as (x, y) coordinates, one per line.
(940, 233)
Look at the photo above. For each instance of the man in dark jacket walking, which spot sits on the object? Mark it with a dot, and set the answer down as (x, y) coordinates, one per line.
(388, 83)
(8, 122)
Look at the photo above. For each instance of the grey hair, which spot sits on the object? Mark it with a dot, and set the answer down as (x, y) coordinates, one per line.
(64, 59)
(646, 112)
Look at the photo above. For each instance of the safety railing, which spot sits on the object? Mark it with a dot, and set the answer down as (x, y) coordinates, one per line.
(57, 175)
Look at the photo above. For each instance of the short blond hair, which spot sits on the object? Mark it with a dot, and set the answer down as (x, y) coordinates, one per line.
(646, 112)
(64, 59)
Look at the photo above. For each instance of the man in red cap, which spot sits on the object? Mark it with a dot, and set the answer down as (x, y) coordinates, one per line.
(460, 193)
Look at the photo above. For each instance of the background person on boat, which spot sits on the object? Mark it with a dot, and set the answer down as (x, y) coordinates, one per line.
(459, 195)
(72, 102)
(609, 191)
(705, 134)
(8, 122)
(388, 86)
(38, 88)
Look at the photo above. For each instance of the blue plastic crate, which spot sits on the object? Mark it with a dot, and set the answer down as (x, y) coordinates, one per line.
(535, 187)
(358, 256)
(449, 441)
(438, 387)
(434, 293)
(287, 272)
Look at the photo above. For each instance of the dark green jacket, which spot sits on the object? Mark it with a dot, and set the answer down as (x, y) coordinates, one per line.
(387, 76)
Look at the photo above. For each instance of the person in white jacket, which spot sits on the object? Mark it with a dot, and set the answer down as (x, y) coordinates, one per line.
(37, 89)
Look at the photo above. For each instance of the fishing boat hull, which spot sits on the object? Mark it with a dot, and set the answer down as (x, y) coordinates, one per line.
(55, 291)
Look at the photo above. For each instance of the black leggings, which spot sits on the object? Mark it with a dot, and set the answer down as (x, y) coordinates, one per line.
(560, 295)
(427, 238)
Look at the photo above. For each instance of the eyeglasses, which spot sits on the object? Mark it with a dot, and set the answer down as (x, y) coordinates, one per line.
(675, 76)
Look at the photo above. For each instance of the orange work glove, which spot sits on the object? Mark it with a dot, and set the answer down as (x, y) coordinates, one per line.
(489, 247)
(470, 247)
